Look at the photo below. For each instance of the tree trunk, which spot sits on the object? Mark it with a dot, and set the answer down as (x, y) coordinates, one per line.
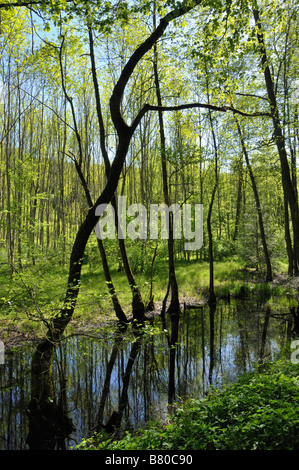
(212, 295)
(269, 276)
(124, 133)
(239, 199)
(60, 322)
(288, 239)
(174, 306)
(137, 303)
(287, 184)
(78, 165)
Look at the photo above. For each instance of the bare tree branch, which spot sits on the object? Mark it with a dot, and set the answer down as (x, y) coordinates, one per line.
(116, 97)
(149, 107)
(28, 3)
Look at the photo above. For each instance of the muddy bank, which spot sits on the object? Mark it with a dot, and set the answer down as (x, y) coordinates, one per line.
(16, 333)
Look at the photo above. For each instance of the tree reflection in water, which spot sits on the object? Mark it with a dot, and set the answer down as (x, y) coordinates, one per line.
(119, 379)
(49, 423)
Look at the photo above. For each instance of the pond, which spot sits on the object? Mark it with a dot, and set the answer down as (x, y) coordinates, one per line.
(125, 380)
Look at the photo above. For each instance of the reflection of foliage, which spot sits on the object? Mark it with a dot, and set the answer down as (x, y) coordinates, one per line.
(259, 412)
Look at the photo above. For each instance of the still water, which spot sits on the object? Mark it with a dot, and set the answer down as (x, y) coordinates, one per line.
(94, 377)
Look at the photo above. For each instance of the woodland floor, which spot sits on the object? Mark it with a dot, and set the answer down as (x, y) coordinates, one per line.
(16, 334)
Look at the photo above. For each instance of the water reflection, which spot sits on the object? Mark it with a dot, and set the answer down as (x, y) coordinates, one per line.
(49, 423)
(51, 398)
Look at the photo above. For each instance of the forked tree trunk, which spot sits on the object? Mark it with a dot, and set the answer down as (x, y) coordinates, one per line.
(78, 165)
(137, 303)
(124, 133)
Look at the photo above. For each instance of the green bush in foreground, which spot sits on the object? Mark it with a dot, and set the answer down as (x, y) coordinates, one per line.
(261, 411)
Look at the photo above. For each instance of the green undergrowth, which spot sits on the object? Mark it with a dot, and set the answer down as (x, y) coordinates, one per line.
(259, 412)
(33, 293)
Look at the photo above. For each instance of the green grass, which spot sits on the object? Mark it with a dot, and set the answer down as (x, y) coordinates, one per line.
(46, 283)
(38, 291)
(260, 412)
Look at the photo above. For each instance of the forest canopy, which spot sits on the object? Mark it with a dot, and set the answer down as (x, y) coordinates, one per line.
(161, 102)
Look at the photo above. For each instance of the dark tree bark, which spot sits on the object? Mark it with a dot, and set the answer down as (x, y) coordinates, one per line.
(239, 199)
(287, 184)
(287, 237)
(78, 165)
(212, 295)
(114, 422)
(174, 306)
(60, 322)
(124, 133)
(49, 424)
(172, 358)
(106, 388)
(264, 336)
(138, 308)
(114, 297)
(212, 312)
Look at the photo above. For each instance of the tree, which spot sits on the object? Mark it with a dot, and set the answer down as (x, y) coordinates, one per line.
(174, 306)
(79, 168)
(139, 103)
(269, 276)
(288, 187)
(124, 134)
